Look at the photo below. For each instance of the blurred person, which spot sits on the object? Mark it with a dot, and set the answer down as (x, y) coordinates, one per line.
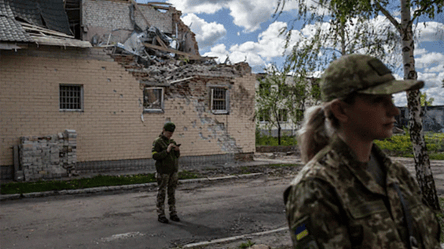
(350, 194)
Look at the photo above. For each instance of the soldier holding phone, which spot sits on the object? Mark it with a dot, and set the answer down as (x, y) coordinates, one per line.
(166, 153)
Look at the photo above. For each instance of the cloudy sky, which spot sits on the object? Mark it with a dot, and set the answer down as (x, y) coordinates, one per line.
(246, 31)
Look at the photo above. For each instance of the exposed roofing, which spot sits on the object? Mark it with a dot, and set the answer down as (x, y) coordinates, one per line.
(10, 29)
(43, 13)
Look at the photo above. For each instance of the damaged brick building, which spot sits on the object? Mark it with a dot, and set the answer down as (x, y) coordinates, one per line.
(86, 86)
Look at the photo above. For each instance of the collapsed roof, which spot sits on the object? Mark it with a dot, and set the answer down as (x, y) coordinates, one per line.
(35, 21)
(142, 36)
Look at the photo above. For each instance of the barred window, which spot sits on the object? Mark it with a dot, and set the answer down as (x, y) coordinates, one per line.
(153, 99)
(219, 100)
(71, 97)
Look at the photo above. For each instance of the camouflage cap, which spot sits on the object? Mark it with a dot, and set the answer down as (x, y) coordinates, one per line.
(169, 126)
(362, 74)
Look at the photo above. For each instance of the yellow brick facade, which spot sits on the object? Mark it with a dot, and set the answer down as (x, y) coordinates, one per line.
(110, 126)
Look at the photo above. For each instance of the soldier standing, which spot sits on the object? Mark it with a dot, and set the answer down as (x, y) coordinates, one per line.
(350, 194)
(166, 153)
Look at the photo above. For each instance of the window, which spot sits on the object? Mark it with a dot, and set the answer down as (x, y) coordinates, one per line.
(153, 99)
(283, 115)
(264, 115)
(71, 97)
(219, 100)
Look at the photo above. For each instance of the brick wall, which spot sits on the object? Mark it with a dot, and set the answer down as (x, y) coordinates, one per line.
(103, 17)
(110, 128)
(47, 157)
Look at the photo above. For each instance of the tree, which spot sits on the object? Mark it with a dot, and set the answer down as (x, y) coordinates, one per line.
(282, 98)
(337, 37)
(271, 97)
(302, 92)
(426, 101)
(339, 12)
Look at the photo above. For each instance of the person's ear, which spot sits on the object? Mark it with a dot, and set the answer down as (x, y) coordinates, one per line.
(338, 107)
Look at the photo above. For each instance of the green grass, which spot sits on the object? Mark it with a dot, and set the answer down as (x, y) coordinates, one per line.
(188, 175)
(97, 181)
(400, 145)
(273, 141)
(245, 245)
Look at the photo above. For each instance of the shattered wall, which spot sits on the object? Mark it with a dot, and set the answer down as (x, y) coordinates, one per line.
(112, 127)
(108, 22)
(47, 157)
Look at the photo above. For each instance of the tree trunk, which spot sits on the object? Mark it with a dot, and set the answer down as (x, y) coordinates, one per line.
(424, 174)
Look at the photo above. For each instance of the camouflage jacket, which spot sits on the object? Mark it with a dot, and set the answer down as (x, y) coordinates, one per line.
(335, 203)
(166, 163)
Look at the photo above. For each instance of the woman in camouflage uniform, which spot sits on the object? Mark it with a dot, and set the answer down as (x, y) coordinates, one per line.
(350, 194)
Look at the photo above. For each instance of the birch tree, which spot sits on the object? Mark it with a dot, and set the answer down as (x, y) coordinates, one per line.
(339, 12)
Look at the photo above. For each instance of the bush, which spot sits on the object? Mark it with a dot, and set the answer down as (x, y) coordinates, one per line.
(400, 145)
(273, 141)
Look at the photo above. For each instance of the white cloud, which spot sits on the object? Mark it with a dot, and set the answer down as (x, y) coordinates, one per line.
(219, 51)
(420, 51)
(268, 47)
(198, 6)
(430, 31)
(206, 33)
(400, 99)
(437, 93)
(431, 80)
(248, 14)
(429, 59)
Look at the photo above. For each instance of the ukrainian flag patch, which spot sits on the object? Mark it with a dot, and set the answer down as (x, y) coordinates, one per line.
(300, 232)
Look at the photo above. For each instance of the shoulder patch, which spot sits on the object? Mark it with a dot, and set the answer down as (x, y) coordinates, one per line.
(302, 236)
(301, 232)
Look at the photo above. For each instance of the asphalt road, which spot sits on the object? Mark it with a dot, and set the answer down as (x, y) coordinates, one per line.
(128, 219)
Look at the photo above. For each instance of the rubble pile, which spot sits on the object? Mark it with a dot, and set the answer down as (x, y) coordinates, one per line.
(47, 157)
(176, 71)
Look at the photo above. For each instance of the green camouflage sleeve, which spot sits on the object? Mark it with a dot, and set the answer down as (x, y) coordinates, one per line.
(314, 216)
(158, 151)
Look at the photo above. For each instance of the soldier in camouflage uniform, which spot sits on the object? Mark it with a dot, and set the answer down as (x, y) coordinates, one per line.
(166, 153)
(350, 194)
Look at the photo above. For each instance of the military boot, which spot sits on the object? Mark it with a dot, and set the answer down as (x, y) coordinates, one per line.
(162, 219)
(174, 217)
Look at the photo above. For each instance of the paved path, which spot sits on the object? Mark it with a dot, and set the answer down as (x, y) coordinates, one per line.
(437, 170)
(436, 165)
(128, 219)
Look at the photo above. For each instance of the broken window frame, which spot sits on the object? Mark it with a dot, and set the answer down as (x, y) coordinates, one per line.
(225, 100)
(161, 106)
(72, 99)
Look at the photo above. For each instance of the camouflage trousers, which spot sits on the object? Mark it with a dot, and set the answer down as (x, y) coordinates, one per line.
(167, 183)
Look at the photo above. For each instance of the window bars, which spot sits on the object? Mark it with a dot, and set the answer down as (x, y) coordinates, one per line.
(71, 97)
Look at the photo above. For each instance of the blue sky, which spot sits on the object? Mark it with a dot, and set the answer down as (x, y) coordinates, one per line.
(245, 31)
